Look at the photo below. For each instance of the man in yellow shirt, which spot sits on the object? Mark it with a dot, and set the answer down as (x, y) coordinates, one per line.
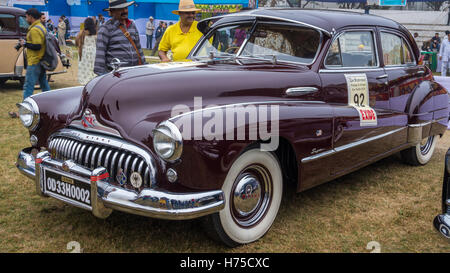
(181, 37)
(35, 45)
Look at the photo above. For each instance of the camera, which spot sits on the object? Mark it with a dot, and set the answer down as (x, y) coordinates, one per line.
(18, 46)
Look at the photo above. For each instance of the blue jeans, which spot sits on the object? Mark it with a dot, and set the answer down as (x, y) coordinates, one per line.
(149, 41)
(34, 73)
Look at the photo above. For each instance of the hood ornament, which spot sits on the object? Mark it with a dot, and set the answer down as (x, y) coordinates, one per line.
(115, 64)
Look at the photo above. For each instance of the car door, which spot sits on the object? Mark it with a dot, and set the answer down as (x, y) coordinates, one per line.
(9, 35)
(404, 74)
(355, 83)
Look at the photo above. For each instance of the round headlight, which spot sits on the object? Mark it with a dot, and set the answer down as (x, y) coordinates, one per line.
(167, 141)
(29, 113)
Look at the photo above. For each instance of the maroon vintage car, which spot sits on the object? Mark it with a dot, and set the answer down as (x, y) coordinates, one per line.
(270, 97)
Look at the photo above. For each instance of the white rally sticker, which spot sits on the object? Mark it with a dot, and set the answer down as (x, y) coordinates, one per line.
(171, 65)
(358, 97)
(367, 116)
(358, 89)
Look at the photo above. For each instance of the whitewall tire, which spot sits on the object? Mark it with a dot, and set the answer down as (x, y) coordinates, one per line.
(253, 191)
(421, 153)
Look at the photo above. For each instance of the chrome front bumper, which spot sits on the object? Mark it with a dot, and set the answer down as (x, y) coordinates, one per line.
(105, 197)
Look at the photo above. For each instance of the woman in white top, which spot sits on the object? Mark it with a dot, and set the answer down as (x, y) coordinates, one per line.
(86, 43)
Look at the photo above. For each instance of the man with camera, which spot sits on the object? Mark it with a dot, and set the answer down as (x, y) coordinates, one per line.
(35, 45)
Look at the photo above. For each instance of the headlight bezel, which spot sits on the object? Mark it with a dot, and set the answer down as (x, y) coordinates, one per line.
(171, 131)
(31, 106)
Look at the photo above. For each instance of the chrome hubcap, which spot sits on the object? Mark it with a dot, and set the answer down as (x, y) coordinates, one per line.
(247, 195)
(251, 196)
(426, 144)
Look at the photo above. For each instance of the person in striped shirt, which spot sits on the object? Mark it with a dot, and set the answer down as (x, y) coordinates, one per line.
(112, 40)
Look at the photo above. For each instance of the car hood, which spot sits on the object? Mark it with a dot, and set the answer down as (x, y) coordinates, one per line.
(136, 99)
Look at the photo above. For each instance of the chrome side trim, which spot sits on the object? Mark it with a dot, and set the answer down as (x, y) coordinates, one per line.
(415, 130)
(349, 146)
(281, 19)
(108, 141)
(244, 104)
(254, 25)
(99, 128)
(59, 89)
(355, 70)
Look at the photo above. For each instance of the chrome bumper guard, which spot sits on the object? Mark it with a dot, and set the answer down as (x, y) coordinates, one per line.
(105, 197)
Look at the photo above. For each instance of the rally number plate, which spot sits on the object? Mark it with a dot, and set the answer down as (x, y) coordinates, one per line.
(67, 188)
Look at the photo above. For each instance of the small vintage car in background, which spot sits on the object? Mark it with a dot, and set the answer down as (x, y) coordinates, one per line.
(442, 221)
(14, 26)
(343, 90)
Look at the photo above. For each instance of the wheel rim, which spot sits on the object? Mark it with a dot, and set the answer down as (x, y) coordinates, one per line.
(251, 196)
(426, 144)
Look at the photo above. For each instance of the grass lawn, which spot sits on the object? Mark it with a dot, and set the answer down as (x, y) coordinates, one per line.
(388, 202)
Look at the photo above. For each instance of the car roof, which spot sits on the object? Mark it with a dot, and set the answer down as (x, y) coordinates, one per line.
(11, 10)
(326, 20)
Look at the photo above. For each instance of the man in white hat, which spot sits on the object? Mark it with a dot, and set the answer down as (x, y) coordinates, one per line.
(181, 37)
(118, 38)
(149, 29)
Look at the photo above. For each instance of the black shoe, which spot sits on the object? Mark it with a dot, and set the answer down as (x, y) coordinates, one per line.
(13, 115)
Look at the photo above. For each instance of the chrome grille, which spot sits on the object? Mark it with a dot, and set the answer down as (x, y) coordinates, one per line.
(93, 155)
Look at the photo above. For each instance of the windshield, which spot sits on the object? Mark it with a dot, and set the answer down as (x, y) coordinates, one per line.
(267, 41)
(225, 41)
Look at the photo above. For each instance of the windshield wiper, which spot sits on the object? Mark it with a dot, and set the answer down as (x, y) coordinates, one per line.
(216, 57)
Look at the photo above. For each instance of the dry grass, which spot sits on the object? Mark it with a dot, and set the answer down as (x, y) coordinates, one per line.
(388, 202)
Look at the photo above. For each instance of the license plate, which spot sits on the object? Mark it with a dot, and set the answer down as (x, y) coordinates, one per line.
(67, 188)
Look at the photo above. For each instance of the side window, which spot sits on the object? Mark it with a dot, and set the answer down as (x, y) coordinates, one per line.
(352, 49)
(395, 50)
(23, 25)
(7, 24)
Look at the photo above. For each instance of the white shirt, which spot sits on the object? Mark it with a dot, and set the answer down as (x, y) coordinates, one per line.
(445, 50)
(150, 27)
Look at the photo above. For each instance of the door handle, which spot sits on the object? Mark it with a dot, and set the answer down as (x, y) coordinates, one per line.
(297, 91)
(385, 76)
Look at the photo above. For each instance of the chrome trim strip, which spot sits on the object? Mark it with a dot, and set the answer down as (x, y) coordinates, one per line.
(280, 19)
(156, 203)
(349, 146)
(99, 128)
(59, 89)
(252, 29)
(244, 104)
(354, 69)
(421, 124)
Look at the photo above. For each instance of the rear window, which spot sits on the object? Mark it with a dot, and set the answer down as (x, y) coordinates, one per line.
(395, 50)
(7, 24)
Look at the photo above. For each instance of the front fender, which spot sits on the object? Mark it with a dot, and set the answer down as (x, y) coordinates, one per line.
(56, 108)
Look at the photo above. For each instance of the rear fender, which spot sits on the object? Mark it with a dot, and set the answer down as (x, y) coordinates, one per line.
(427, 110)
